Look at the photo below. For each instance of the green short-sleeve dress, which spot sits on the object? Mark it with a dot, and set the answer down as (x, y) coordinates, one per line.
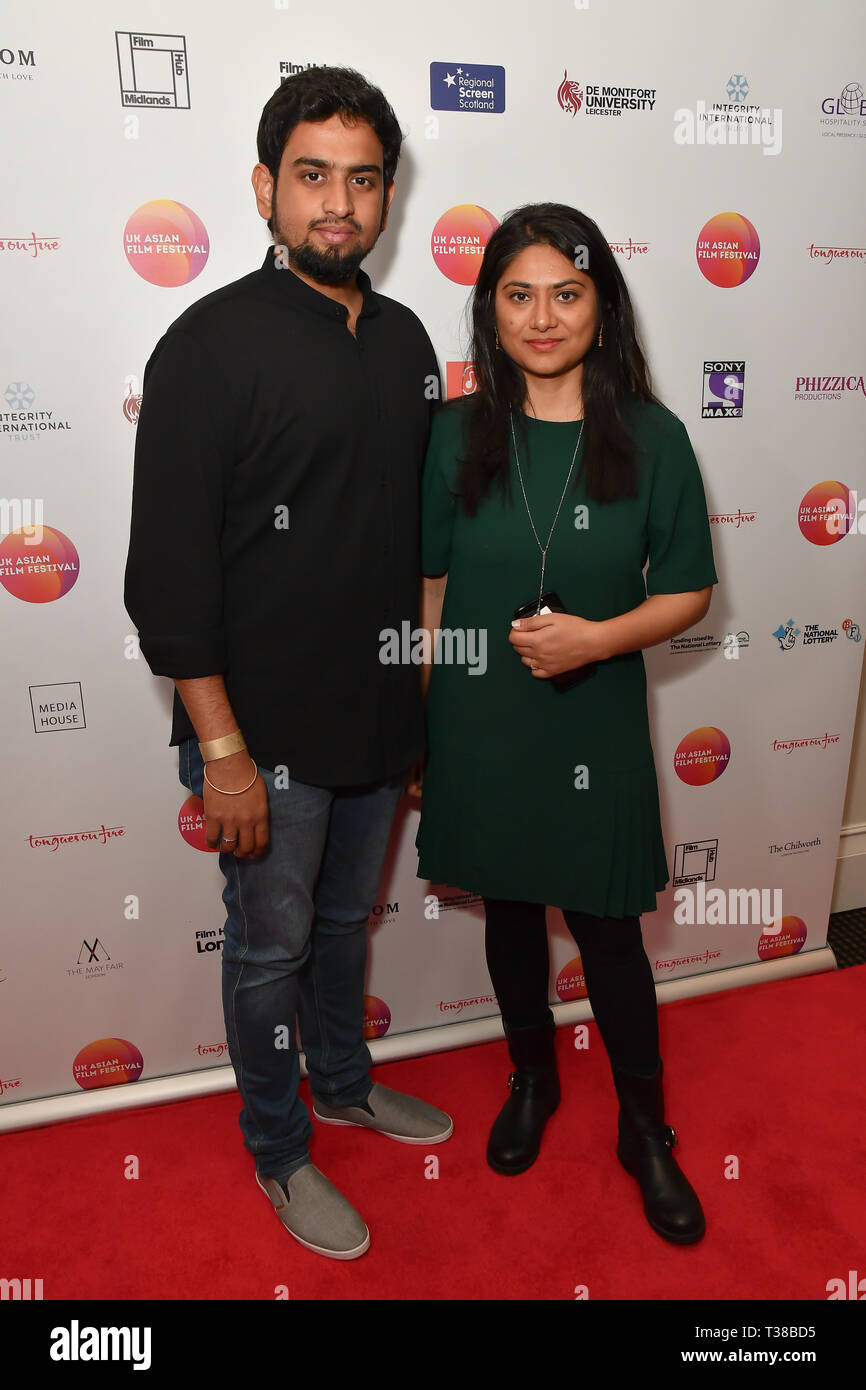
(506, 811)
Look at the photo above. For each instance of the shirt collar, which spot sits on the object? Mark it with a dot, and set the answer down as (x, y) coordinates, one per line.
(284, 280)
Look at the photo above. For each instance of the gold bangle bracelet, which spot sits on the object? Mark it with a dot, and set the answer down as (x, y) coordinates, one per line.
(223, 790)
(222, 747)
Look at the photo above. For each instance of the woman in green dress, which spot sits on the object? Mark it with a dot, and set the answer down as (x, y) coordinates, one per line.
(549, 489)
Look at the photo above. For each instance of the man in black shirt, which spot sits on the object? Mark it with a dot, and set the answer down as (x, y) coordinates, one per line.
(274, 536)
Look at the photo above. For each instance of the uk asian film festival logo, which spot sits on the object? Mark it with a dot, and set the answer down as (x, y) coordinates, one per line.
(37, 569)
(107, 1062)
(458, 241)
(192, 824)
(727, 250)
(702, 756)
(377, 1017)
(166, 243)
(829, 511)
(570, 982)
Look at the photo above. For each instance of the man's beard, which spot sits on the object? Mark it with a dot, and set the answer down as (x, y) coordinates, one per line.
(333, 266)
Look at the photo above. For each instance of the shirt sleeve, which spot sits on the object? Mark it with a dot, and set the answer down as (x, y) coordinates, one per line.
(679, 542)
(173, 588)
(438, 502)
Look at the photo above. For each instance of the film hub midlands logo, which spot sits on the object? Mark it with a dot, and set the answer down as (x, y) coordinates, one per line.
(458, 241)
(377, 1017)
(695, 862)
(702, 756)
(727, 250)
(724, 389)
(166, 243)
(37, 571)
(461, 379)
(465, 87)
(57, 708)
(153, 69)
(597, 100)
(107, 1062)
(21, 423)
(828, 511)
(844, 116)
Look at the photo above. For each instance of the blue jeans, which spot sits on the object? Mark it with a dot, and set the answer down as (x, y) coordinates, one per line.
(295, 953)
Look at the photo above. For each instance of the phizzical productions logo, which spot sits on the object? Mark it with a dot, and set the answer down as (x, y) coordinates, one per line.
(458, 241)
(727, 250)
(702, 756)
(166, 243)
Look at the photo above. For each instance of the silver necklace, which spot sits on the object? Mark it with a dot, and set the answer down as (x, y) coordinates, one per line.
(543, 548)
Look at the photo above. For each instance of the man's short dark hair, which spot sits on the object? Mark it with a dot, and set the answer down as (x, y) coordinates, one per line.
(316, 94)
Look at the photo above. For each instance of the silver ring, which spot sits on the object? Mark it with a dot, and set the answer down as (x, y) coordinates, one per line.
(229, 839)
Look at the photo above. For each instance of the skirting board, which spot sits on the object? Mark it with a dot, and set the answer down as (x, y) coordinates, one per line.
(849, 888)
(49, 1110)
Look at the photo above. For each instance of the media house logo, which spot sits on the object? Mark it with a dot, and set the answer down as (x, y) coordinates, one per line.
(467, 87)
(695, 862)
(844, 116)
(57, 708)
(724, 388)
(153, 70)
(595, 99)
(20, 422)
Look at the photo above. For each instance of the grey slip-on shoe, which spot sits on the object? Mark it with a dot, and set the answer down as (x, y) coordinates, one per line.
(392, 1113)
(316, 1214)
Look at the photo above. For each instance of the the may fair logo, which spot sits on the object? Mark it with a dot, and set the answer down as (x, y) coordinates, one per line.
(467, 87)
(732, 122)
(597, 100)
(844, 116)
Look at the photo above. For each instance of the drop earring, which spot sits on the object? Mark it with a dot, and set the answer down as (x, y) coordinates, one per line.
(600, 331)
(496, 336)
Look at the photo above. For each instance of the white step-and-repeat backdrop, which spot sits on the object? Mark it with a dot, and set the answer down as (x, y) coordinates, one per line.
(722, 153)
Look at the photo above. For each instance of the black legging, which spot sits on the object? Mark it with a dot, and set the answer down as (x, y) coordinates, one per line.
(619, 978)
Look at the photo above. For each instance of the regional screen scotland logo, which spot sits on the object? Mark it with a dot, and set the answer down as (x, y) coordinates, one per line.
(477, 87)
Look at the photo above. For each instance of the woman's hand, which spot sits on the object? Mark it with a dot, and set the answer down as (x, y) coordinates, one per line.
(413, 786)
(552, 643)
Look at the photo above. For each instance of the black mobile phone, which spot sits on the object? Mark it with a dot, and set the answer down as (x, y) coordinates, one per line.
(550, 602)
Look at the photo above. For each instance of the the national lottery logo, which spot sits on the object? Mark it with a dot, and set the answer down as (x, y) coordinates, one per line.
(724, 387)
(467, 87)
(153, 69)
(461, 379)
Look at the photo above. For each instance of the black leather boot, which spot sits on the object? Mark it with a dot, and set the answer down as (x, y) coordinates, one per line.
(644, 1150)
(516, 1134)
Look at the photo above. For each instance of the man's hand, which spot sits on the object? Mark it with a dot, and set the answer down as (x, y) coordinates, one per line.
(552, 643)
(236, 824)
(413, 786)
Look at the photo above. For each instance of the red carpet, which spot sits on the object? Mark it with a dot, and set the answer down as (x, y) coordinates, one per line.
(772, 1074)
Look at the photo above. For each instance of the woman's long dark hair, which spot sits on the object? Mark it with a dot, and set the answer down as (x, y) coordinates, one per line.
(613, 374)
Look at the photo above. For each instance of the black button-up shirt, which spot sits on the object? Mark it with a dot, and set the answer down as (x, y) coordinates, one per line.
(275, 524)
